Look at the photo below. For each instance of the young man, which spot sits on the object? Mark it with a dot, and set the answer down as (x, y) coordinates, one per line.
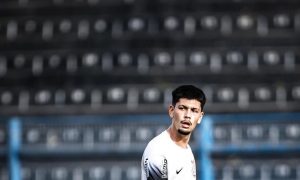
(168, 155)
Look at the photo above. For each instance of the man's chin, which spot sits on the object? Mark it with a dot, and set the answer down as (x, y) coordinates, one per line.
(184, 132)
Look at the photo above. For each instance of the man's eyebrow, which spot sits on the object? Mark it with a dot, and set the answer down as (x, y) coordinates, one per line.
(186, 107)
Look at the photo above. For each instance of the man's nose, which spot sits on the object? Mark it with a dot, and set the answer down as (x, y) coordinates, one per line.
(187, 113)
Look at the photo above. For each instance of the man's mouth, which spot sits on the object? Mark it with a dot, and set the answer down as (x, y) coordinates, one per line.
(186, 124)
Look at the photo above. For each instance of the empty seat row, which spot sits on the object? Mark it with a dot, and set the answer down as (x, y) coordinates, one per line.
(93, 135)
(81, 171)
(198, 61)
(259, 169)
(68, 3)
(121, 136)
(262, 93)
(67, 29)
(257, 133)
(92, 98)
(143, 97)
(63, 3)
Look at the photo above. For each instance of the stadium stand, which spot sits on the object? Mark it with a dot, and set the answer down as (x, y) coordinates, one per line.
(85, 84)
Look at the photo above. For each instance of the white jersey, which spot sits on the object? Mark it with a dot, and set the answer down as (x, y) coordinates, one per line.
(163, 159)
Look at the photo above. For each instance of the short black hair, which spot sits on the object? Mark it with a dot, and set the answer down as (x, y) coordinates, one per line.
(188, 92)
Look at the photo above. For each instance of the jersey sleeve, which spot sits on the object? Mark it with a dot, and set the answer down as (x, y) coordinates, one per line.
(154, 167)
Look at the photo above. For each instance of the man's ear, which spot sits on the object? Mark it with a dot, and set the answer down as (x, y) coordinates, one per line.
(200, 119)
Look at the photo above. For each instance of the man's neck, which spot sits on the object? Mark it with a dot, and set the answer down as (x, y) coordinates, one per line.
(179, 139)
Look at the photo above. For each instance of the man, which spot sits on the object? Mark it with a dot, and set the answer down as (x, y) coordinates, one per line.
(168, 155)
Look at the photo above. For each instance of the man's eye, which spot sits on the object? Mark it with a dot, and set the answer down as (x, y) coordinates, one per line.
(195, 110)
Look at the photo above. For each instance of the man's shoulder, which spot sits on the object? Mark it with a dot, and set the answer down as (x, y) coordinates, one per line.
(161, 138)
(158, 142)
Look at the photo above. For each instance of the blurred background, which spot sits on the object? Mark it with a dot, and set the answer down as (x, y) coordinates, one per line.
(85, 84)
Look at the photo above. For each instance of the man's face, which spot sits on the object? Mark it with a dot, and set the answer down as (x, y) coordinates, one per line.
(185, 115)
